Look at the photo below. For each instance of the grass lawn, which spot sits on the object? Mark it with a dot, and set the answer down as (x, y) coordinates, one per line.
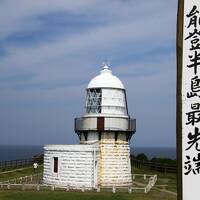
(59, 195)
(165, 181)
(18, 173)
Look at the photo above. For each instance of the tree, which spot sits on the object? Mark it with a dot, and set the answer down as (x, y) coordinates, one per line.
(142, 157)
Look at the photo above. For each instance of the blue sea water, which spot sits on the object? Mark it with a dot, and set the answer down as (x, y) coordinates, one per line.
(150, 152)
(22, 152)
(19, 152)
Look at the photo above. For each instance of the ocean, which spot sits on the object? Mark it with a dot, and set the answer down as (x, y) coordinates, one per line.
(8, 152)
(22, 152)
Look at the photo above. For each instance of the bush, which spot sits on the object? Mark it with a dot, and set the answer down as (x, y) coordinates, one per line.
(163, 160)
(142, 157)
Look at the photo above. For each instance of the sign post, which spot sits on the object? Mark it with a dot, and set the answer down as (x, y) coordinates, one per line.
(188, 99)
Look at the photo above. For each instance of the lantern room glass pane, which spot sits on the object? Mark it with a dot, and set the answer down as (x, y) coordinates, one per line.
(93, 100)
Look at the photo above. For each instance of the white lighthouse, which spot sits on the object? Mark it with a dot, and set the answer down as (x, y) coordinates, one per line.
(108, 123)
(103, 156)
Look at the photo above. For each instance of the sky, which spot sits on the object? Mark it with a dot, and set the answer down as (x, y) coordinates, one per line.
(50, 50)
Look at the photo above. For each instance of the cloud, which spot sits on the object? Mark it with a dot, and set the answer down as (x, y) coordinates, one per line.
(109, 40)
(50, 52)
(24, 11)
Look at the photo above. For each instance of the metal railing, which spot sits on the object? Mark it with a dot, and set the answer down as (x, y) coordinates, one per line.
(7, 164)
(159, 167)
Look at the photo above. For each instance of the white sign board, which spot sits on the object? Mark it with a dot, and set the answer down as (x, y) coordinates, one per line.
(191, 101)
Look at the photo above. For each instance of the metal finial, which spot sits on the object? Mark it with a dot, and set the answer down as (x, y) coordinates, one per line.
(106, 64)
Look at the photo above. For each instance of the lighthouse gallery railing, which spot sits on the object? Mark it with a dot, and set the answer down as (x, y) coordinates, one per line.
(105, 124)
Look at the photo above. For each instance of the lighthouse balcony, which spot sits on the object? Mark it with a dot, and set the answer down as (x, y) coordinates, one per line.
(105, 124)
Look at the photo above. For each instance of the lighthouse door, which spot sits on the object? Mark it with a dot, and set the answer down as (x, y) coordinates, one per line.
(95, 170)
(95, 174)
(100, 123)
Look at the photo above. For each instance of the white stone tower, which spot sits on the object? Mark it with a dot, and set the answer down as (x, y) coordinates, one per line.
(107, 124)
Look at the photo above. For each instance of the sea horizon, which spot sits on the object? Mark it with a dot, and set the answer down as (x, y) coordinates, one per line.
(13, 152)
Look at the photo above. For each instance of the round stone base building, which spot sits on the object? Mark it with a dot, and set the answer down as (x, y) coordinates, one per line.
(102, 159)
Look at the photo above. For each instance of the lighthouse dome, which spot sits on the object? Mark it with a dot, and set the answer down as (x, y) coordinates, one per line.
(106, 95)
(105, 80)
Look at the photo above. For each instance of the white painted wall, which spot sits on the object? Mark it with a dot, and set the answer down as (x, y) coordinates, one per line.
(92, 137)
(76, 165)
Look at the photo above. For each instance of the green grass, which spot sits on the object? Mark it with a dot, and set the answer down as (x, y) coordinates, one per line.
(167, 179)
(62, 195)
(19, 173)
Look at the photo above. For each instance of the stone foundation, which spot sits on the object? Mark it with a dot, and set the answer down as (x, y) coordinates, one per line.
(115, 168)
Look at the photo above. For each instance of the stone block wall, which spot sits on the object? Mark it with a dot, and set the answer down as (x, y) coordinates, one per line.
(115, 166)
(76, 165)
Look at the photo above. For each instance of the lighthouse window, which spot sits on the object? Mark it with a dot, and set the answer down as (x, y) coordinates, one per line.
(93, 100)
(55, 164)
